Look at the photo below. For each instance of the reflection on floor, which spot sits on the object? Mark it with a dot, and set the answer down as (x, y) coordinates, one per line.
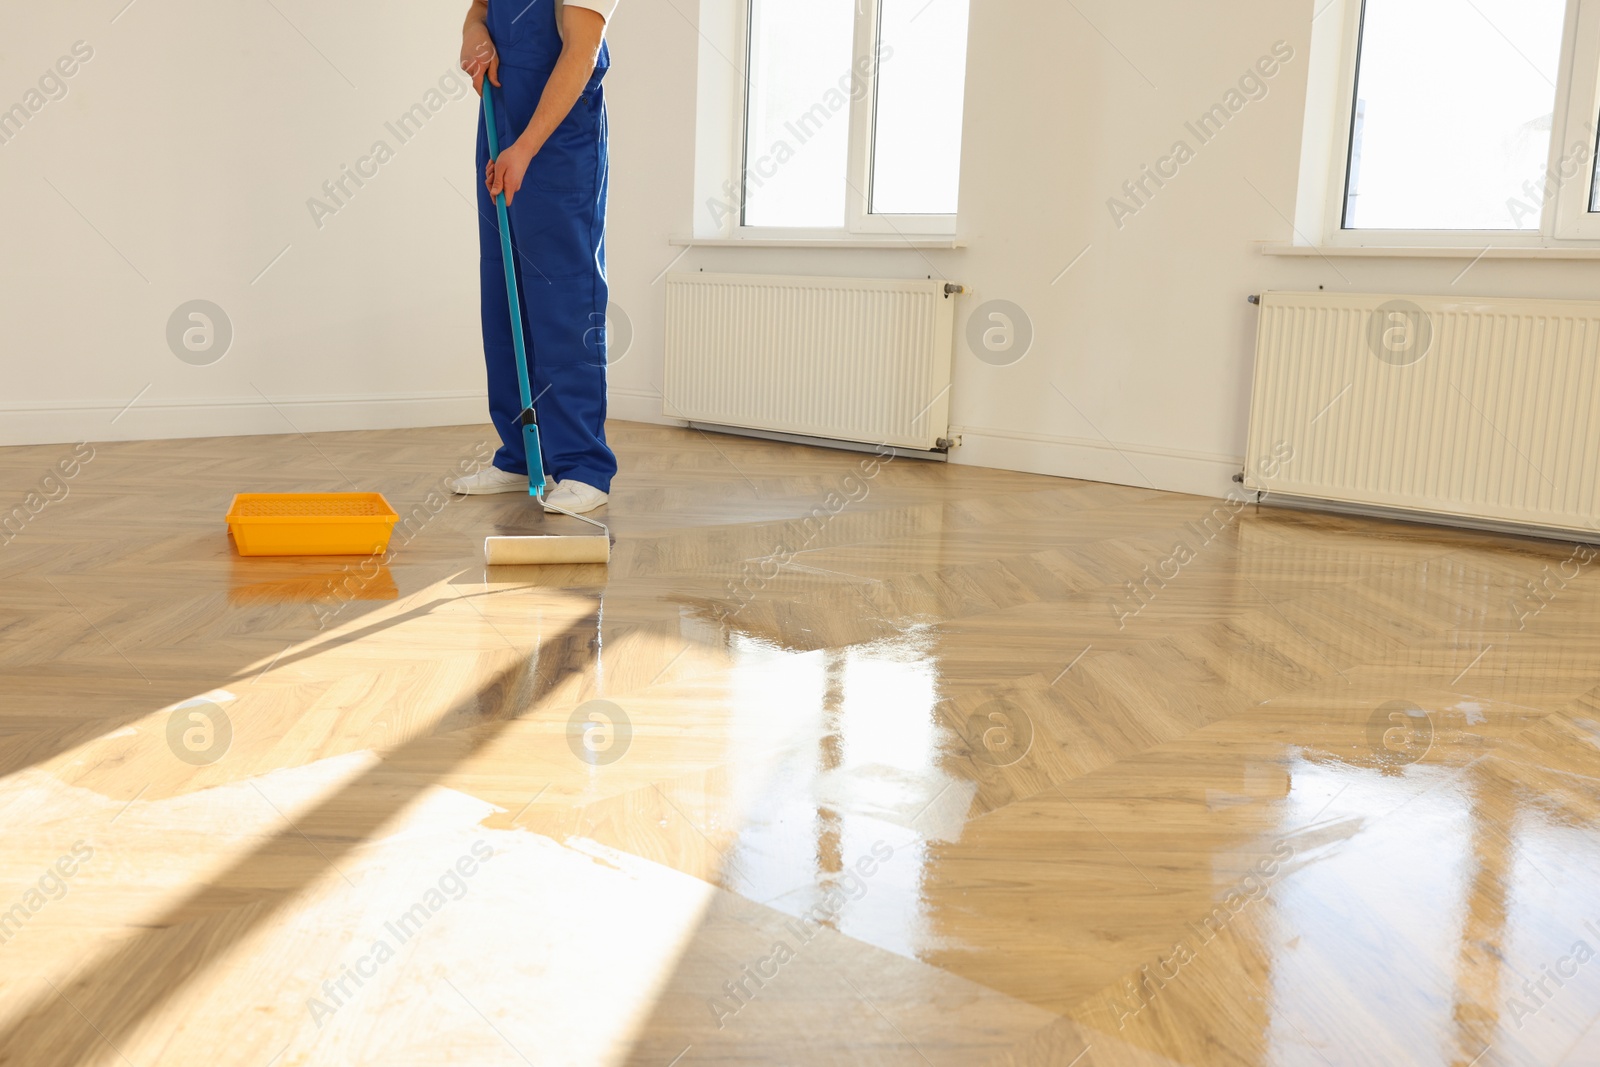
(842, 761)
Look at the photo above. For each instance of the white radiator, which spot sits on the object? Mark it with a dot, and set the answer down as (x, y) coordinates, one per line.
(1480, 411)
(848, 359)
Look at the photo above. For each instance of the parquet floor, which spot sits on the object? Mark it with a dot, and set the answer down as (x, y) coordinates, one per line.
(838, 763)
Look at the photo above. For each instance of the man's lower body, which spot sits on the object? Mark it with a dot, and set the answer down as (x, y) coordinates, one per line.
(558, 240)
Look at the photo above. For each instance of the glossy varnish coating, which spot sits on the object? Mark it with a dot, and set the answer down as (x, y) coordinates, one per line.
(843, 760)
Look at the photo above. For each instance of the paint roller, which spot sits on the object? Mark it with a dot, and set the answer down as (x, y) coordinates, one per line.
(508, 551)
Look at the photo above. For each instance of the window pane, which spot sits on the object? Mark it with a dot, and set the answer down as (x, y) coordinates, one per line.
(1454, 104)
(922, 72)
(1594, 179)
(797, 133)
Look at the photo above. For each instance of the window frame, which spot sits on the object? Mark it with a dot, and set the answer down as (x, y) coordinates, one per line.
(860, 221)
(1564, 215)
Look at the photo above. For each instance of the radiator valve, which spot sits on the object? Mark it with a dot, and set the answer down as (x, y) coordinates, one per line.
(952, 289)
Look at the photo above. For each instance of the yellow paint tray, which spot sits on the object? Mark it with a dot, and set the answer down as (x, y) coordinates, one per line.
(311, 524)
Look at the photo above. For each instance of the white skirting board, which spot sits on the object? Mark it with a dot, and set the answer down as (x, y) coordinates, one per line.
(1171, 470)
(154, 418)
(633, 405)
(1142, 466)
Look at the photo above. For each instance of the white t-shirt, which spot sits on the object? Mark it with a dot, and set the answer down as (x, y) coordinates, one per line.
(607, 8)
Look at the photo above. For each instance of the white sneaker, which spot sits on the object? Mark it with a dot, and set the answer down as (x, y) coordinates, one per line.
(489, 480)
(573, 496)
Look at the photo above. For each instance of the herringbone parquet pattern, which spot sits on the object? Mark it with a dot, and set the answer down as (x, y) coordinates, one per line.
(842, 761)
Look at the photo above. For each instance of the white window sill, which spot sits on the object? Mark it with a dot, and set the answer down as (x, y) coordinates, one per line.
(1268, 248)
(887, 242)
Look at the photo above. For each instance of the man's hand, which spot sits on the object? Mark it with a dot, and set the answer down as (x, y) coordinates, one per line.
(478, 55)
(506, 174)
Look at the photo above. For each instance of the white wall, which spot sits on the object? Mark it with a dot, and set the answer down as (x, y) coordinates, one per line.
(1150, 336)
(195, 135)
(179, 164)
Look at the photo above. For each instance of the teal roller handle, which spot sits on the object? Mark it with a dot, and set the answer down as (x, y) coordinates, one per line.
(529, 419)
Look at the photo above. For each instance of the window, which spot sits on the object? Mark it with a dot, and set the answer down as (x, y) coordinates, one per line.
(1454, 106)
(852, 115)
(797, 147)
(1461, 122)
(916, 147)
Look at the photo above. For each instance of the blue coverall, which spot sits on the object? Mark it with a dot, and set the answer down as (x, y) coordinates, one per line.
(558, 221)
